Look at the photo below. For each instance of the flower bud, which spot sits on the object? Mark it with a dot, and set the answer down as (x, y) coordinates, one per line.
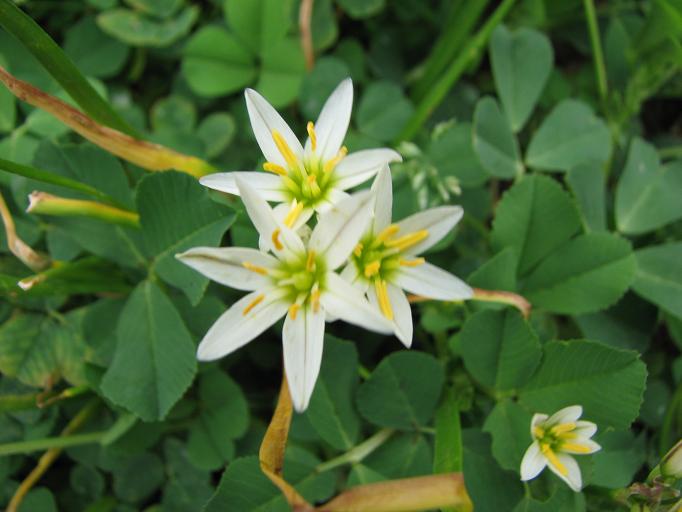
(671, 465)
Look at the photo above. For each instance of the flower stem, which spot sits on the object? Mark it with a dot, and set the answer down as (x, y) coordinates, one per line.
(47, 204)
(39, 400)
(358, 452)
(305, 15)
(597, 53)
(503, 297)
(32, 259)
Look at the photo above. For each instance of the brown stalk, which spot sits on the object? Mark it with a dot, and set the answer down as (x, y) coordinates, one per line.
(305, 15)
(499, 296)
(32, 259)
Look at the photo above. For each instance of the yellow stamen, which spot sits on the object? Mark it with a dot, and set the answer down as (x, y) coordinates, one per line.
(315, 299)
(575, 447)
(412, 263)
(384, 301)
(330, 164)
(310, 263)
(253, 304)
(385, 234)
(312, 179)
(275, 240)
(563, 427)
(539, 432)
(372, 268)
(407, 241)
(358, 249)
(311, 133)
(277, 169)
(553, 459)
(285, 150)
(567, 435)
(255, 268)
(293, 310)
(294, 212)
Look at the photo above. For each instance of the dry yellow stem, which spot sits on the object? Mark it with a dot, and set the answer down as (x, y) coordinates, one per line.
(32, 259)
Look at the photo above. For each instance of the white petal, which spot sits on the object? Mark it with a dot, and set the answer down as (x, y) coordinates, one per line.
(303, 339)
(537, 419)
(266, 223)
(566, 415)
(402, 313)
(588, 443)
(437, 221)
(282, 210)
(224, 265)
(332, 124)
(533, 462)
(338, 231)
(585, 429)
(234, 329)
(573, 478)
(334, 197)
(432, 282)
(267, 185)
(343, 301)
(264, 120)
(383, 205)
(360, 166)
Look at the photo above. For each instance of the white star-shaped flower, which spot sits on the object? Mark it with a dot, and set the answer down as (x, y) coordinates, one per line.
(306, 179)
(387, 261)
(297, 280)
(555, 439)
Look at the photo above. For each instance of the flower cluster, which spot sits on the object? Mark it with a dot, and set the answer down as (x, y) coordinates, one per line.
(354, 265)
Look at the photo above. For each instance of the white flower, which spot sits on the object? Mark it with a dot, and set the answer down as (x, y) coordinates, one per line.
(310, 179)
(297, 280)
(555, 439)
(386, 261)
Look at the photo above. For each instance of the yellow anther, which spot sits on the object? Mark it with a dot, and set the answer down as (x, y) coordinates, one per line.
(553, 459)
(312, 179)
(293, 310)
(285, 150)
(576, 448)
(384, 301)
(330, 164)
(385, 234)
(563, 427)
(311, 133)
(294, 212)
(358, 249)
(255, 268)
(253, 304)
(275, 240)
(372, 268)
(538, 432)
(315, 298)
(412, 263)
(407, 241)
(310, 262)
(277, 169)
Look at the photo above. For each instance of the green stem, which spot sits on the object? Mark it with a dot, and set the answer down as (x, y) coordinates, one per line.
(38, 400)
(666, 439)
(47, 204)
(597, 53)
(440, 89)
(359, 452)
(48, 443)
(670, 152)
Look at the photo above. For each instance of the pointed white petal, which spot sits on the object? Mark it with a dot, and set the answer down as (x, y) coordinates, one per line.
(234, 329)
(573, 477)
(338, 231)
(303, 339)
(566, 415)
(586, 443)
(334, 197)
(402, 313)
(266, 223)
(437, 221)
(383, 204)
(225, 265)
(533, 462)
(585, 429)
(264, 120)
(538, 419)
(267, 185)
(282, 210)
(430, 281)
(343, 301)
(332, 124)
(360, 166)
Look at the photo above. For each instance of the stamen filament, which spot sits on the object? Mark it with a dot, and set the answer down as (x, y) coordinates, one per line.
(311, 133)
(293, 310)
(539, 432)
(294, 212)
(310, 262)
(315, 298)
(372, 268)
(553, 459)
(285, 150)
(330, 164)
(384, 301)
(255, 268)
(412, 263)
(275, 239)
(358, 249)
(253, 304)
(575, 447)
(563, 427)
(404, 242)
(277, 169)
(314, 187)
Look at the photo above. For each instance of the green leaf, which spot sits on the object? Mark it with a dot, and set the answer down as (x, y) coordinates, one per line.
(154, 363)
(617, 463)
(499, 349)
(588, 184)
(217, 131)
(648, 193)
(331, 411)
(521, 63)
(85, 35)
(402, 456)
(8, 108)
(447, 456)
(659, 276)
(383, 111)
(159, 8)
(586, 274)
(586, 373)
(494, 142)
(569, 136)
(138, 29)
(402, 391)
(562, 499)
(137, 477)
(215, 63)
(535, 217)
(509, 426)
(283, 69)
(362, 8)
(498, 273)
(186, 486)
(452, 152)
(173, 112)
(261, 24)
(319, 84)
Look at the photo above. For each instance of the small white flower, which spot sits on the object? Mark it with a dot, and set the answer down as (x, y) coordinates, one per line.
(304, 179)
(386, 261)
(555, 439)
(297, 280)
